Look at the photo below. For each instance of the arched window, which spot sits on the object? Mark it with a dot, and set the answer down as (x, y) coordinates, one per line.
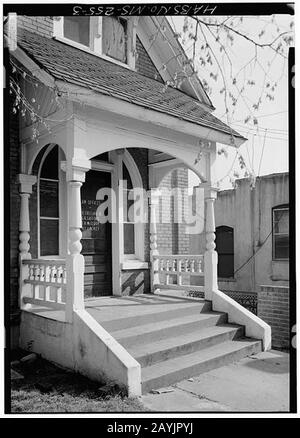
(48, 204)
(225, 249)
(129, 234)
(133, 231)
(280, 228)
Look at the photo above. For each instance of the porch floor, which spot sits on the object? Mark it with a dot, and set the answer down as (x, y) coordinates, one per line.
(110, 308)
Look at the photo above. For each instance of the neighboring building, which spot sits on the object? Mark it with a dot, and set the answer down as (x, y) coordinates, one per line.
(252, 234)
(94, 106)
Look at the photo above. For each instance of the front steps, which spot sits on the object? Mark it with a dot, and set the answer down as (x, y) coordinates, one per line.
(175, 338)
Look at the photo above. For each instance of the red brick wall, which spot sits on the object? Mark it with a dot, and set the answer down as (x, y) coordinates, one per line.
(183, 238)
(273, 308)
(144, 65)
(171, 237)
(40, 25)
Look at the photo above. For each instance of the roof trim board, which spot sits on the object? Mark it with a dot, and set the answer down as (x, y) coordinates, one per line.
(71, 66)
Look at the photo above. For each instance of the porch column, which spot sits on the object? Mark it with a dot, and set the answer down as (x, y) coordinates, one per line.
(74, 260)
(153, 202)
(210, 255)
(26, 182)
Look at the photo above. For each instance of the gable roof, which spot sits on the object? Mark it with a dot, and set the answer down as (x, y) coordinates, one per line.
(165, 49)
(69, 64)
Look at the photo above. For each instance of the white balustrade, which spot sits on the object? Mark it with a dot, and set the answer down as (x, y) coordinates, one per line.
(179, 267)
(47, 280)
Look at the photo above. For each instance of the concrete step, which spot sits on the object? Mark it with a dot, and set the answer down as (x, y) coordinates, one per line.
(179, 345)
(97, 289)
(154, 313)
(95, 277)
(173, 370)
(94, 259)
(92, 269)
(147, 333)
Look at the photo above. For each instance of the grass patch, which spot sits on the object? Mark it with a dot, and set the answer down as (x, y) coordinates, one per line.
(47, 388)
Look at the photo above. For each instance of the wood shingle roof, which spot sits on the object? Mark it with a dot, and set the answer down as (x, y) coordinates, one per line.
(75, 66)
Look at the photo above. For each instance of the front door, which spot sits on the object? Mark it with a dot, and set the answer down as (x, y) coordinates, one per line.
(96, 238)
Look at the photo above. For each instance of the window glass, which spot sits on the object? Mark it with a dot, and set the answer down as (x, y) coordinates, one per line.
(48, 198)
(49, 205)
(49, 237)
(77, 29)
(280, 233)
(281, 221)
(114, 41)
(225, 249)
(50, 166)
(129, 231)
(129, 241)
(281, 247)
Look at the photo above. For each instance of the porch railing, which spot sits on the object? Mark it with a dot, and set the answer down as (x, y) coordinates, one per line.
(180, 269)
(46, 281)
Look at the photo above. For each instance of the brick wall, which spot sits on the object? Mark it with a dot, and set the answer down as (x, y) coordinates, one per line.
(171, 237)
(183, 238)
(40, 25)
(166, 229)
(273, 308)
(144, 65)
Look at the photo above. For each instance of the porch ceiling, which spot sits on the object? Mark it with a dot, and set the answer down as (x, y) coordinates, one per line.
(75, 66)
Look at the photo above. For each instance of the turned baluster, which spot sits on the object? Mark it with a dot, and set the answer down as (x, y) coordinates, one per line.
(186, 265)
(42, 272)
(179, 273)
(53, 274)
(59, 273)
(31, 272)
(167, 271)
(192, 264)
(36, 276)
(64, 276)
(173, 265)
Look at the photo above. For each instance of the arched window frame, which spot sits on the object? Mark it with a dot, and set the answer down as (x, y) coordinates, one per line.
(139, 227)
(218, 230)
(62, 202)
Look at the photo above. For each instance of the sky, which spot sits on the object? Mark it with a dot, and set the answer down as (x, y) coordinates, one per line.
(266, 150)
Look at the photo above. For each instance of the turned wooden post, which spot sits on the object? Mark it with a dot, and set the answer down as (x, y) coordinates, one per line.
(74, 260)
(26, 182)
(153, 201)
(210, 255)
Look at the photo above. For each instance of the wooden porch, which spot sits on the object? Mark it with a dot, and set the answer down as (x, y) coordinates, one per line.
(45, 282)
(169, 334)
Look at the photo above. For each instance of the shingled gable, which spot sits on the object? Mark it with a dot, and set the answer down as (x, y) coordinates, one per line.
(165, 50)
(76, 67)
